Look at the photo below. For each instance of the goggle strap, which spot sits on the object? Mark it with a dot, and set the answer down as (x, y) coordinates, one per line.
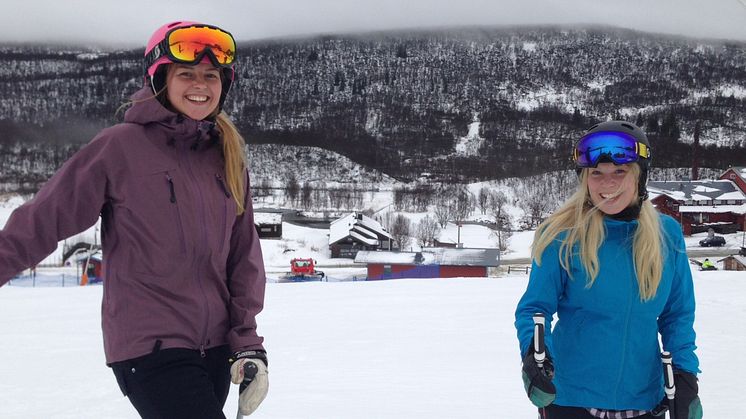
(158, 51)
(643, 150)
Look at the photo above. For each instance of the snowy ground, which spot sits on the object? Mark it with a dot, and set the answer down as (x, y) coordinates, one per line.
(391, 349)
(433, 348)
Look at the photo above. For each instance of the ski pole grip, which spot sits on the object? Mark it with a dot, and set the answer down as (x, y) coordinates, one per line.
(670, 387)
(539, 348)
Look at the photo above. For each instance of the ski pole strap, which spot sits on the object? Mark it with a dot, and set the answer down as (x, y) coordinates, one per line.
(539, 347)
(255, 354)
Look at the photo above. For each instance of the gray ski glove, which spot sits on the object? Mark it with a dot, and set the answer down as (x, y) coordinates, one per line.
(249, 371)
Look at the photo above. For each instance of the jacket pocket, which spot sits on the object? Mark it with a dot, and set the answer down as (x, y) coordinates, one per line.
(156, 204)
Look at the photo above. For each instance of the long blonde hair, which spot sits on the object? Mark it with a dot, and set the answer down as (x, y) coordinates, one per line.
(583, 224)
(234, 155)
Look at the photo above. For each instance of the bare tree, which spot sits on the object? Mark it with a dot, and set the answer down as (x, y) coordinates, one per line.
(442, 209)
(399, 193)
(462, 204)
(503, 231)
(306, 195)
(401, 231)
(426, 231)
(536, 206)
(483, 200)
(320, 197)
(292, 188)
(497, 203)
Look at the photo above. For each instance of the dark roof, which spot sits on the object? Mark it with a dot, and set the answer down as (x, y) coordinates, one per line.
(696, 189)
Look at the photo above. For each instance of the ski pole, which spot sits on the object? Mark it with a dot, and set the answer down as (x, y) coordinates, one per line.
(540, 353)
(539, 348)
(670, 386)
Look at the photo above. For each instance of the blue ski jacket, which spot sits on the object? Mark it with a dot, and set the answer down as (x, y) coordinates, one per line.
(605, 343)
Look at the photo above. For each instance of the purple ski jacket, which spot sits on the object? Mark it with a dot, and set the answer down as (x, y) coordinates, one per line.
(179, 265)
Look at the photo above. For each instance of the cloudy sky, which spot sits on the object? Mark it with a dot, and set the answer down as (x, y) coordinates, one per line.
(130, 22)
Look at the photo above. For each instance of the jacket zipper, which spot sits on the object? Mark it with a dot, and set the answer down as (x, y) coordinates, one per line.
(633, 277)
(171, 187)
(198, 260)
(178, 213)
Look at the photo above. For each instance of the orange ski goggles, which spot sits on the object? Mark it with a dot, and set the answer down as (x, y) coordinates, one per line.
(190, 44)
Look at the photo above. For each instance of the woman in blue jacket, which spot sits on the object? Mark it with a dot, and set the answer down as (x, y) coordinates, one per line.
(616, 274)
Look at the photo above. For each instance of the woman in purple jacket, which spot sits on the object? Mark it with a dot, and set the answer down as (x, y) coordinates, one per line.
(183, 274)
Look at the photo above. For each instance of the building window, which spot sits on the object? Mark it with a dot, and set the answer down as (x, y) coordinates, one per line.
(731, 202)
(718, 202)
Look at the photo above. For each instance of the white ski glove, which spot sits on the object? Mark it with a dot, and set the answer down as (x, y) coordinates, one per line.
(249, 371)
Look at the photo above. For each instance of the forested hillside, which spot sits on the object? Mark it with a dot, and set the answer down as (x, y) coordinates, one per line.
(455, 105)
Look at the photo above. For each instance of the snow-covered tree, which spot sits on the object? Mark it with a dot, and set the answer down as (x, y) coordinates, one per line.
(426, 232)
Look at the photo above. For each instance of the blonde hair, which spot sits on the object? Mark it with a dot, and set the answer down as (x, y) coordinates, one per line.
(234, 155)
(582, 222)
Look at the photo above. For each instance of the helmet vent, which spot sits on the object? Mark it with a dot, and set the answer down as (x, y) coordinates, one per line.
(628, 126)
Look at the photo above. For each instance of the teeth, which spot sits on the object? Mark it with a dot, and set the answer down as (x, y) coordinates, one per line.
(196, 98)
(609, 195)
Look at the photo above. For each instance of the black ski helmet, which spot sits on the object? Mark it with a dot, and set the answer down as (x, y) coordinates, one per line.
(638, 134)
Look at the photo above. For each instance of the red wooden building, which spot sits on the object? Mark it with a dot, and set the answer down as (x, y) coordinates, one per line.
(699, 205)
(430, 263)
(736, 175)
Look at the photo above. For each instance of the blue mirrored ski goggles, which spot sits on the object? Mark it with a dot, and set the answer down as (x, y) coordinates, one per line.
(612, 146)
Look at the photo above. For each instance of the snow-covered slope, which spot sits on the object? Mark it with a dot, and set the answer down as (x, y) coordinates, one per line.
(404, 349)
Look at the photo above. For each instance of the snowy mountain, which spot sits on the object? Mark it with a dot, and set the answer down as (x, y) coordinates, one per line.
(457, 105)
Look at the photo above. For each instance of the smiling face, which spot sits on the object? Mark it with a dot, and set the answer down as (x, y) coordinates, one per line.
(612, 188)
(194, 90)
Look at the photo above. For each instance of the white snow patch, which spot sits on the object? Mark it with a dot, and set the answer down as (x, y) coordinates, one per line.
(738, 91)
(469, 145)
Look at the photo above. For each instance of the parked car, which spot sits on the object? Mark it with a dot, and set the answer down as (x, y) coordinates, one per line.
(716, 241)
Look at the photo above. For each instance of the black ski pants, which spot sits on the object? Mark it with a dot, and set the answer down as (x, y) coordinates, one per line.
(176, 383)
(562, 412)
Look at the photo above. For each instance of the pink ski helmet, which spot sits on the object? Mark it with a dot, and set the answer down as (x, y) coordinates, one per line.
(205, 43)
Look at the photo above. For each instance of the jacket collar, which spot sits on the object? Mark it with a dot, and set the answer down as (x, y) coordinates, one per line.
(180, 130)
(620, 228)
